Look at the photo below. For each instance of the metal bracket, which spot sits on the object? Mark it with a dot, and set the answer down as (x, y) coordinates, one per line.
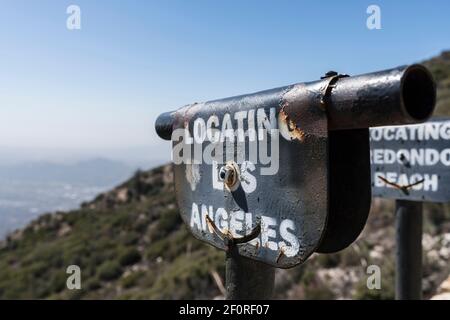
(333, 77)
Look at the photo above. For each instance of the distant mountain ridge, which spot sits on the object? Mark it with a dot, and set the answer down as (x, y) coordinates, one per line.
(97, 171)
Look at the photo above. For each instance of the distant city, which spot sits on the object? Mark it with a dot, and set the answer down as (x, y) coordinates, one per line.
(29, 189)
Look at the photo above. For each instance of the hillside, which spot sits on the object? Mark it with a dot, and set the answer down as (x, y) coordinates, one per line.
(440, 67)
(130, 244)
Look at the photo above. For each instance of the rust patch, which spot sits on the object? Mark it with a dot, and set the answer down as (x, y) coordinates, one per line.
(212, 225)
(301, 116)
(404, 189)
(295, 133)
(280, 254)
(228, 237)
(184, 115)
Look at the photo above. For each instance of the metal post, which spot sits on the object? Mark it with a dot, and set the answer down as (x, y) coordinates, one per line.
(408, 224)
(247, 279)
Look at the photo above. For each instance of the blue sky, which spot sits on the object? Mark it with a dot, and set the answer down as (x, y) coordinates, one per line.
(101, 87)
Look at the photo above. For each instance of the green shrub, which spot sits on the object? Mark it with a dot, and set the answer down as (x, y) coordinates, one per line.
(329, 260)
(58, 281)
(169, 220)
(92, 284)
(187, 277)
(109, 270)
(132, 238)
(132, 279)
(129, 257)
(320, 292)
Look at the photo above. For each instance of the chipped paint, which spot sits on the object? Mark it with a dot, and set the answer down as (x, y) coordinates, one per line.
(288, 128)
(193, 175)
(280, 254)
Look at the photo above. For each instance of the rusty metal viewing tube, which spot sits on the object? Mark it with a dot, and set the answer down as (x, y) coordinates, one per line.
(403, 95)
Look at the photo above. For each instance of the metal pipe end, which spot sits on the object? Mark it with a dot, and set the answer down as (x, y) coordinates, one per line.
(418, 93)
(164, 125)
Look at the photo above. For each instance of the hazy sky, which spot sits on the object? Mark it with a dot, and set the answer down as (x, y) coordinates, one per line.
(101, 87)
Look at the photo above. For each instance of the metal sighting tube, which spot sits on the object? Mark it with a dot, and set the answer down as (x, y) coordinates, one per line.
(394, 97)
(403, 95)
(408, 273)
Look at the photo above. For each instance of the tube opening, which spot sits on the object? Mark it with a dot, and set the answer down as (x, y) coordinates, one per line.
(419, 92)
(163, 125)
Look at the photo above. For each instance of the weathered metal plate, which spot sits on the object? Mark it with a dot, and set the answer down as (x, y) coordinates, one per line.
(350, 189)
(283, 178)
(412, 162)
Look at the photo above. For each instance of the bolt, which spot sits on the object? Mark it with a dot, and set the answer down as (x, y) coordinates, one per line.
(329, 74)
(223, 173)
(228, 174)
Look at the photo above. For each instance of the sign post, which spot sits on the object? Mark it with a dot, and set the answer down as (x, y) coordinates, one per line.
(408, 225)
(411, 164)
(248, 279)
